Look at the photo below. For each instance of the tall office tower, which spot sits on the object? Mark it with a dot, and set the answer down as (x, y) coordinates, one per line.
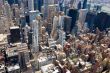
(61, 21)
(31, 5)
(24, 10)
(51, 2)
(102, 24)
(71, 3)
(15, 10)
(66, 5)
(15, 34)
(40, 4)
(35, 36)
(90, 18)
(73, 13)
(79, 5)
(26, 31)
(54, 27)
(82, 17)
(4, 25)
(36, 3)
(22, 21)
(52, 9)
(7, 16)
(13, 2)
(1, 7)
(22, 6)
(56, 1)
(67, 24)
(32, 15)
(36, 26)
(84, 4)
(27, 19)
(16, 13)
(22, 61)
(75, 3)
(7, 11)
(46, 3)
(62, 37)
(60, 2)
(30, 39)
(25, 5)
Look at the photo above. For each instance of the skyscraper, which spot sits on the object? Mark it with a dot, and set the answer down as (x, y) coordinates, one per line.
(46, 3)
(67, 24)
(84, 4)
(32, 15)
(1, 7)
(35, 36)
(1, 3)
(7, 10)
(90, 19)
(13, 2)
(22, 20)
(38, 4)
(73, 13)
(31, 5)
(82, 16)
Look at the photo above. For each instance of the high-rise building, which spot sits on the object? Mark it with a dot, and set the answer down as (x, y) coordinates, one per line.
(1, 3)
(79, 5)
(5, 16)
(75, 3)
(61, 21)
(51, 2)
(1, 7)
(7, 11)
(84, 4)
(35, 36)
(13, 2)
(22, 61)
(4, 24)
(46, 3)
(16, 13)
(67, 24)
(82, 17)
(31, 5)
(38, 4)
(62, 37)
(32, 15)
(73, 13)
(22, 20)
(90, 19)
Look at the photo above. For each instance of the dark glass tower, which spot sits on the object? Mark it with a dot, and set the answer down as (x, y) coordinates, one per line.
(90, 18)
(73, 13)
(79, 5)
(38, 4)
(13, 2)
(84, 4)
